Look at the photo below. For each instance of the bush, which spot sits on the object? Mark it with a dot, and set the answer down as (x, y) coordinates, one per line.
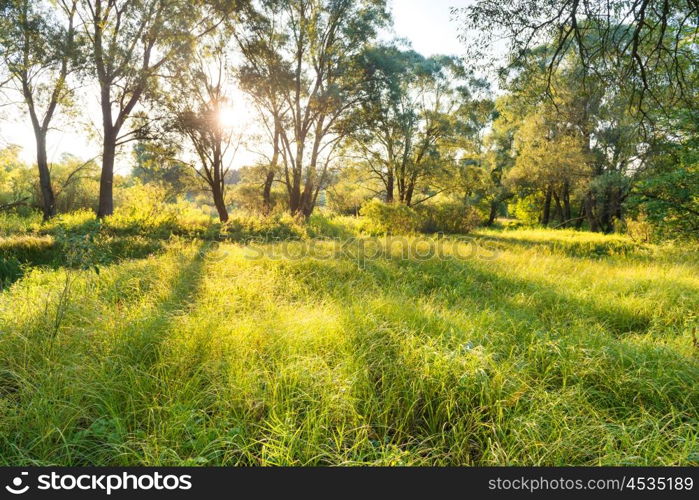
(450, 218)
(78, 222)
(321, 225)
(10, 271)
(508, 224)
(640, 229)
(390, 218)
(394, 218)
(36, 250)
(244, 228)
(527, 209)
(18, 223)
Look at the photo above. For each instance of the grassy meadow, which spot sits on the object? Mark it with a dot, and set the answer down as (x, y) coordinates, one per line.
(518, 347)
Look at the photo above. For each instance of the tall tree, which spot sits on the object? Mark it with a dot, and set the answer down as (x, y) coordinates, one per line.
(407, 122)
(311, 50)
(132, 41)
(266, 78)
(199, 101)
(499, 156)
(38, 46)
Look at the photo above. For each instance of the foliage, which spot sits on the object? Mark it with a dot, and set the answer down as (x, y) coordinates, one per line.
(10, 270)
(449, 218)
(640, 229)
(669, 197)
(40, 49)
(74, 183)
(304, 70)
(349, 192)
(527, 209)
(405, 128)
(156, 163)
(390, 218)
(645, 47)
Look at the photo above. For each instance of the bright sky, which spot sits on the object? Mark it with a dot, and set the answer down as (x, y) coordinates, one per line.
(428, 26)
(425, 23)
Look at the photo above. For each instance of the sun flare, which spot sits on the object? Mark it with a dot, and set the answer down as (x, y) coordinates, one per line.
(227, 117)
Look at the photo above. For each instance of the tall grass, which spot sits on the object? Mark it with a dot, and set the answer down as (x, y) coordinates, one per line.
(543, 353)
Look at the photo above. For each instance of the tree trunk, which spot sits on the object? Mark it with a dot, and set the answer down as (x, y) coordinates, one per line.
(493, 213)
(590, 213)
(307, 205)
(410, 191)
(618, 212)
(269, 180)
(546, 216)
(567, 212)
(559, 208)
(267, 192)
(295, 192)
(48, 200)
(220, 203)
(294, 200)
(581, 217)
(106, 200)
(390, 188)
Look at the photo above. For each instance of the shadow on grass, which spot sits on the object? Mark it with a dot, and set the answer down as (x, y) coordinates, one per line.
(419, 403)
(466, 282)
(572, 248)
(20, 253)
(81, 407)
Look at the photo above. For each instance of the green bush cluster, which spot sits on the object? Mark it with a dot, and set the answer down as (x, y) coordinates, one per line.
(449, 218)
(395, 218)
(10, 270)
(242, 228)
(389, 218)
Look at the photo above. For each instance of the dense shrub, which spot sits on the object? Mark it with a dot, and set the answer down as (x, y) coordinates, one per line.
(394, 218)
(321, 225)
(450, 218)
(19, 223)
(640, 229)
(390, 218)
(37, 250)
(569, 242)
(527, 208)
(10, 271)
(508, 224)
(241, 227)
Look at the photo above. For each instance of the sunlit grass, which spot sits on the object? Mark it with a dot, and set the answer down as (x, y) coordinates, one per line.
(542, 347)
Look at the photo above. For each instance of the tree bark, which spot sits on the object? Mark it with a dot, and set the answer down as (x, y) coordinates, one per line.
(48, 199)
(295, 196)
(410, 191)
(559, 207)
(590, 213)
(269, 180)
(390, 187)
(220, 203)
(567, 212)
(546, 216)
(306, 205)
(493, 213)
(106, 199)
(267, 192)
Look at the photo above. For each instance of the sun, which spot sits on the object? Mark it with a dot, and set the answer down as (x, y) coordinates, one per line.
(227, 116)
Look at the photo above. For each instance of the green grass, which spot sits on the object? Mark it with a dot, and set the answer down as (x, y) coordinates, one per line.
(538, 348)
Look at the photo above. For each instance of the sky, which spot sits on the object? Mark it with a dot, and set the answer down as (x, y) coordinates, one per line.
(426, 24)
